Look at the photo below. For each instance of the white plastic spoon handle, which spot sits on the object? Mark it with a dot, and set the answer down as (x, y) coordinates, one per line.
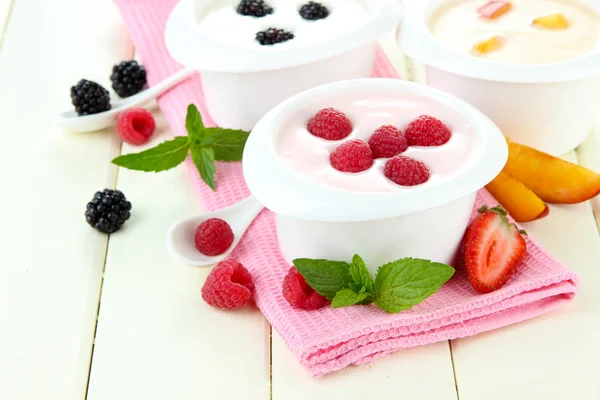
(156, 90)
(250, 208)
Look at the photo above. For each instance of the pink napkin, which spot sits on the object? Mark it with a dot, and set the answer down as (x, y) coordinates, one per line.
(328, 340)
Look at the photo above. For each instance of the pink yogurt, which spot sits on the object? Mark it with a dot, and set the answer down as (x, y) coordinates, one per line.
(308, 155)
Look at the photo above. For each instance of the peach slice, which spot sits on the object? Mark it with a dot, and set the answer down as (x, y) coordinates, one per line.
(552, 21)
(494, 9)
(486, 46)
(517, 199)
(554, 180)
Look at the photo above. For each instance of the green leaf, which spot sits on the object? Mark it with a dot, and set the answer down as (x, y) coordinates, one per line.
(204, 159)
(193, 123)
(228, 144)
(360, 274)
(163, 157)
(324, 276)
(404, 283)
(347, 297)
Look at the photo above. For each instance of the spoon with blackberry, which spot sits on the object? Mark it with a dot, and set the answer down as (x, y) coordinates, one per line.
(95, 110)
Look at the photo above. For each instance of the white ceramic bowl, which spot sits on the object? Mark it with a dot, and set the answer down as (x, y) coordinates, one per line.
(317, 221)
(550, 107)
(241, 84)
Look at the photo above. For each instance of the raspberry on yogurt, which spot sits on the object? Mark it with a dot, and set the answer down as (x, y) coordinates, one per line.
(352, 156)
(387, 141)
(330, 124)
(406, 171)
(378, 134)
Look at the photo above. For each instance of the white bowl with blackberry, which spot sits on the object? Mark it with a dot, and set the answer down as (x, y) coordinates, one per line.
(253, 54)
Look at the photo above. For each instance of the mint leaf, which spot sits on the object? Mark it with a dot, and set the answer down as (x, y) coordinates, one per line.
(360, 274)
(401, 284)
(163, 157)
(347, 297)
(204, 159)
(324, 276)
(228, 144)
(193, 123)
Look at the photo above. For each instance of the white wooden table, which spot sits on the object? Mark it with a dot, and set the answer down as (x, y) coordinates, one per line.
(83, 316)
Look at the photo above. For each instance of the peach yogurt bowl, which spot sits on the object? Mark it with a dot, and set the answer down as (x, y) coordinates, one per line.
(253, 54)
(378, 167)
(532, 66)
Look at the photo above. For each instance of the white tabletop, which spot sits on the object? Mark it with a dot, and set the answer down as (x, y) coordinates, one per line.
(86, 316)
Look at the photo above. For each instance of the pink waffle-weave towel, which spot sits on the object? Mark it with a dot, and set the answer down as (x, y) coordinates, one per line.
(328, 340)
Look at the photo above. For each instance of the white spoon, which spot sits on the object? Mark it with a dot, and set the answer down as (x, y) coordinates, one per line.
(69, 120)
(180, 237)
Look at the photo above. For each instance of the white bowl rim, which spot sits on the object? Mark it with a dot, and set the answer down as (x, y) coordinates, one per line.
(189, 47)
(283, 191)
(417, 41)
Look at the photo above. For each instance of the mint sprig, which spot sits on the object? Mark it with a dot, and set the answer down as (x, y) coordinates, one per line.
(398, 285)
(206, 146)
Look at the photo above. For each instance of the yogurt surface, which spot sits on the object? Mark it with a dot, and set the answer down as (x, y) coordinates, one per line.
(308, 155)
(457, 25)
(222, 23)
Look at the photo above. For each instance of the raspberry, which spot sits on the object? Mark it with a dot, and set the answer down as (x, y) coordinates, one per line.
(135, 126)
(387, 141)
(427, 131)
(213, 237)
(228, 286)
(406, 171)
(352, 156)
(299, 294)
(330, 124)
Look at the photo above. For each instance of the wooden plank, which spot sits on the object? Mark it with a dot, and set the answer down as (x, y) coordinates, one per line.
(419, 373)
(5, 11)
(157, 338)
(51, 260)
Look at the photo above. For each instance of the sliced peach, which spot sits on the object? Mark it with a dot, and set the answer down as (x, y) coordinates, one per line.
(552, 21)
(494, 9)
(518, 200)
(486, 46)
(554, 180)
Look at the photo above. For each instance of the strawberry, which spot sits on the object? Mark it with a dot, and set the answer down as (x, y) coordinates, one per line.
(492, 248)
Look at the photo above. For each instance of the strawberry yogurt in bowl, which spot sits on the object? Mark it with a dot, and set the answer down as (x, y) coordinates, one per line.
(253, 54)
(379, 167)
(532, 66)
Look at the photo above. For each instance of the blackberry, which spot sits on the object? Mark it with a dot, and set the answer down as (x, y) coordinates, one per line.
(89, 98)
(313, 11)
(128, 78)
(254, 8)
(273, 36)
(108, 211)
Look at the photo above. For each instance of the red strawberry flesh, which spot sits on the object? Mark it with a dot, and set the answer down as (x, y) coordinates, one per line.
(493, 248)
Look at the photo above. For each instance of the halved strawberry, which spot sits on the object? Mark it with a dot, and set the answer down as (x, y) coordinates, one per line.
(492, 248)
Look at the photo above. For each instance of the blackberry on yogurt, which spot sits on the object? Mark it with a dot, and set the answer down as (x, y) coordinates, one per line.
(313, 11)
(254, 8)
(273, 36)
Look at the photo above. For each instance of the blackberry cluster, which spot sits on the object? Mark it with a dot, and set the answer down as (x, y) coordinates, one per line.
(108, 211)
(89, 98)
(254, 8)
(128, 78)
(313, 11)
(273, 36)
